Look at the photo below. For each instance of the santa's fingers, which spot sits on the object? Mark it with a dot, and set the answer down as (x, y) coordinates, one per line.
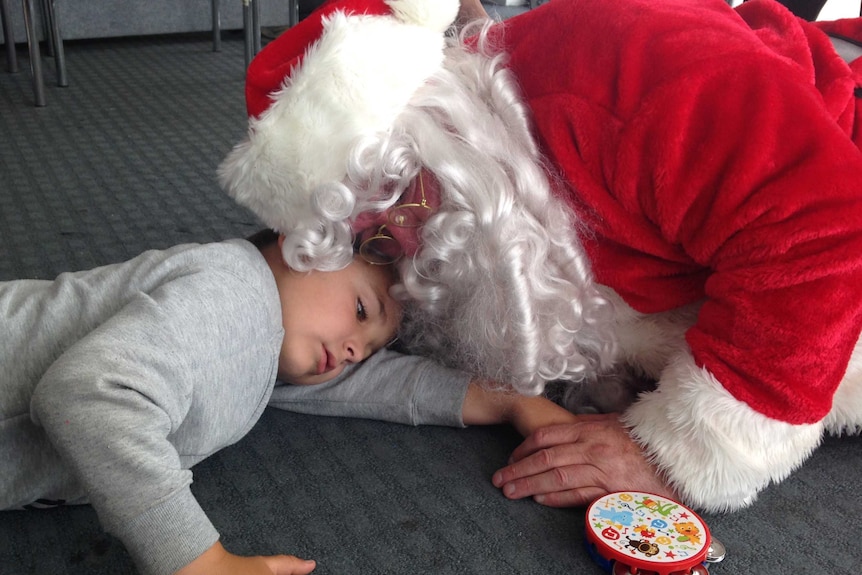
(589, 428)
(561, 486)
(570, 497)
(594, 456)
(543, 470)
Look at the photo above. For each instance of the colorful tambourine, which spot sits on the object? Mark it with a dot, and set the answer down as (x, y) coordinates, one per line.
(635, 533)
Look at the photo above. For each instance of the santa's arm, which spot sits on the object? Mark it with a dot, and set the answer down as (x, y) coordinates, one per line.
(713, 450)
(757, 183)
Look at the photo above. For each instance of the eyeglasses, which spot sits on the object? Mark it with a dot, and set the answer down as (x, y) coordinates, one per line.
(382, 248)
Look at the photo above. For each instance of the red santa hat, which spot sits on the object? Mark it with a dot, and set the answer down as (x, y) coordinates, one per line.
(344, 72)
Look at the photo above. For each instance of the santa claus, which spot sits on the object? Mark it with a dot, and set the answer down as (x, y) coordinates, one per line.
(666, 191)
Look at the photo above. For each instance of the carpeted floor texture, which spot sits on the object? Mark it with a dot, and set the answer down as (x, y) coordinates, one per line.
(124, 160)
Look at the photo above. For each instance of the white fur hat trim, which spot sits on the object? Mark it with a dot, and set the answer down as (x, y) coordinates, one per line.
(353, 81)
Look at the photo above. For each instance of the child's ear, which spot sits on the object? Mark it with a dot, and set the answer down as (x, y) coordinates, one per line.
(280, 241)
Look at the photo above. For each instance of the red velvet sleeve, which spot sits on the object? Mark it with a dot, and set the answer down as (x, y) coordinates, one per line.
(707, 166)
(746, 172)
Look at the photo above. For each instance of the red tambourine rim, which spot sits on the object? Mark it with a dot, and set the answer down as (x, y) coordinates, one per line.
(609, 552)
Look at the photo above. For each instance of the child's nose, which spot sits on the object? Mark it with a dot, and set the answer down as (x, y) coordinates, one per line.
(350, 351)
(354, 352)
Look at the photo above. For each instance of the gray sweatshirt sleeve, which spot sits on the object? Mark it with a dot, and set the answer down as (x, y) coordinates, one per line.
(169, 379)
(388, 386)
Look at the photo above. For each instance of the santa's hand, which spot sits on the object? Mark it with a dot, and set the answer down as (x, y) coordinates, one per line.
(574, 463)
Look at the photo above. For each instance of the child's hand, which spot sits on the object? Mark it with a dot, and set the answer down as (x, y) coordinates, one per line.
(531, 413)
(485, 405)
(217, 561)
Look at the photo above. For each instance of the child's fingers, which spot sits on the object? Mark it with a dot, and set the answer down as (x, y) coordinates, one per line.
(289, 565)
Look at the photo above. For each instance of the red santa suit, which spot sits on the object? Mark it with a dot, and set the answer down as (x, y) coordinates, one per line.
(715, 156)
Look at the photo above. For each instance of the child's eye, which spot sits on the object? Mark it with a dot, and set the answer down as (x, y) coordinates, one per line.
(361, 313)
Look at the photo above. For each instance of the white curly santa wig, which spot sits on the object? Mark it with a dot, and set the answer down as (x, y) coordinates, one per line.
(346, 109)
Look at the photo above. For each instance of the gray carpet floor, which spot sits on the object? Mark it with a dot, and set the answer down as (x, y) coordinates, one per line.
(124, 160)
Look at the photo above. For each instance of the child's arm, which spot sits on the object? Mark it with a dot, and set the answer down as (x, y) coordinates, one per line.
(487, 405)
(416, 390)
(217, 561)
(133, 405)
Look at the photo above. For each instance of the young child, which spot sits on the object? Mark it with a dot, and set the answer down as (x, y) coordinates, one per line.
(114, 382)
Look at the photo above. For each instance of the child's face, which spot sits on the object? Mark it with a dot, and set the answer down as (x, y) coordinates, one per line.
(332, 319)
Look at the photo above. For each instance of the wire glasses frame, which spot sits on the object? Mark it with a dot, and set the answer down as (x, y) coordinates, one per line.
(382, 249)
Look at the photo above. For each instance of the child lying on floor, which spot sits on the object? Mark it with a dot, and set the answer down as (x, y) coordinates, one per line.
(114, 382)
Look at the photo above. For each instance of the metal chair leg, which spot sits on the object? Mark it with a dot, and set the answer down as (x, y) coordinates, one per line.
(216, 15)
(35, 56)
(255, 24)
(8, 37)
(250, 28)
(247, 31)
(294, 13)
(46, 29)
(56, 42)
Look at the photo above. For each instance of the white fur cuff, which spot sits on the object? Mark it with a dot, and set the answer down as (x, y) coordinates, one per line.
(714, 450)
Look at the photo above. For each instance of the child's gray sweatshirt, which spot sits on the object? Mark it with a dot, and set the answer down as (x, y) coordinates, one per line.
(115, 381)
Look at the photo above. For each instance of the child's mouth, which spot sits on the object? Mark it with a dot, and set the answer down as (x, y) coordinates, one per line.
(327, 362)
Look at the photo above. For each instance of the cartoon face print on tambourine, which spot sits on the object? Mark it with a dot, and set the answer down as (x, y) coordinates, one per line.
(635, 532)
